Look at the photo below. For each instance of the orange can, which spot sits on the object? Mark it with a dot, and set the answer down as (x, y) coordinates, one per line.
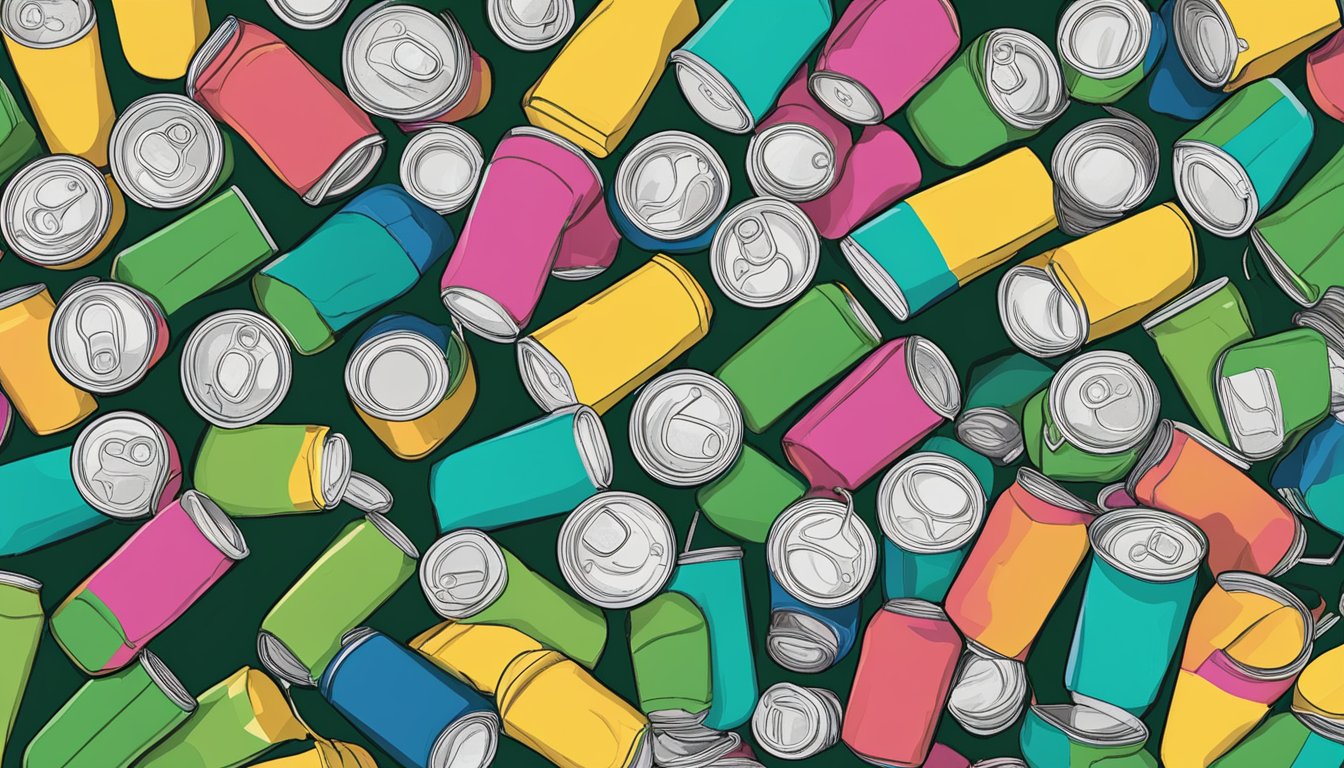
(46, 401)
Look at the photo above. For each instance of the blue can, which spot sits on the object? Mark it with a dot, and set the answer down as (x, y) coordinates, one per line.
(669, 193)
(1310, 478)
(803, 638)
(542, 468)
(1139, 588)
(411, 709)
(1175, 90)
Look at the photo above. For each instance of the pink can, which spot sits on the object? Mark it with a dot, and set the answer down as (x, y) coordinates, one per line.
(589, 245)
(799, 148)
(305, 128)
(906, 664)
(1325, 76)
(880, 170)
(6, 417)
(943, 756)
(881, 53)
(899, 394)
(147, 584)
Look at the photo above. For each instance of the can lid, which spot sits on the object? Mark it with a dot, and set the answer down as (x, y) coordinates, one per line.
(280, 661)
(1104, 402)
(468, 742)
(590, 438)
(930, 502)
(482, 314)
(713, 97)
(992, 432)
(1106, 167)
(1053, 493)
(1206, 40)
(463, 573)
(55, 209)
(933, 376)
(793, 723)
(1150, 545)
(406, 63)
(104, 335)
(800, 642)
(686, 428)
(875, 278)
(764, 253)
(308, 14)
(1039, 316)
(367, 495)
(47, 24)
(846, 97)
(617, 549)
(1105, 38)
(792, 161)
(1093, 722)
(441, 166)
(530, 25)
(236, 368)
(988, 693)
(544, 376)
(1214, 188)
(1023, 79)
(336, 468)
(821, 552)
(19, 580)
(120, 464)
(399, 375)
(166, 151)
(672, 185)
(214, 524)
(166, 681)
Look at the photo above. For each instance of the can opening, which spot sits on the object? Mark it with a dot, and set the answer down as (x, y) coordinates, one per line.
(463, 573)
(988, 692)
(991, 432)
(468, 742)
(214, 524)
(1107, 166)
(441, 166)
(801, 643)
(335, 469)
(1093, 722)
(397, 376)
(349, 171)
(367, 495)
(1206, 40)
(792, 722)
(933, 376)
(281, 661)
(393, 534)
(913, 606)
(1214, 188)
(406, 63)
(544, 377)
(929, 502)
(1040, 317)
(1053, 493)
(846, 97)
(861, 315)
(1151, 545)
(1022, 79)
(1105, 38)
(792, 161)
(672, 186)
(710, 94)
(166, 151)
(563, 143)
(481, 313)
(530, 26)
(167, 682)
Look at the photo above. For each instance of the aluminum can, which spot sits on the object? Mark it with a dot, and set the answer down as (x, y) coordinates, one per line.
(1107, 47)
(616, 550)
(273, 469)
(821, 552)
(39, 393)
(530, 26)
(324, 753)
(669, 193)
(1056, 302)
(990, 421)
(605, 348)
(1104, 168)
(894, 398)
(469, 578)
(1175, 90)
(476, 654)
(989, 692)
(794, 723)
(880, 53)
(745, 501)
(167, 152)
(21, 621)
(1229, 43)
(568, 459)
(6, 418)
(60, 212)
(1310, 477)
(18, 140)
(1286, 740)
(56, 54)
(906, 663)
(159, 40)
(799, 149)
(1325, 76)
(264, 97)
(1032, 543)
(805, 638)
(126, 466)
(105, 336)
(358, 571)
(670, 656)
(112, 721)
(765, 253)
(685, 428)
(1005, 86)
(1301, 248)
(680, 740)
(308, 14)
(1086, 733)
(880, 170)
(919, 251)
(236, 368)
(1316, 697)
(588, 247)
(441, 166)
(1271, 390)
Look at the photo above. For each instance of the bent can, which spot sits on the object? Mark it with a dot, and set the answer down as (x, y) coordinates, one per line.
(670, 656)
(21, 621)
(273, 469)
(1273, 389)
(44, 399)
(745, 501)
(795, 723)
(989, 692)
(1230, 43)
(1107, 47)
(476, 654)
(990, 421)
(61, 212)
(1175, 91)
(807, 639)
(1303, 247)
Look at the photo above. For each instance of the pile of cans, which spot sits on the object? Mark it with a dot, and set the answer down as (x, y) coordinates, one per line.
(967, 498)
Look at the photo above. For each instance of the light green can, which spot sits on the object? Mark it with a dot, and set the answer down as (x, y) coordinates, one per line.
(1271, 390)
(21, 621)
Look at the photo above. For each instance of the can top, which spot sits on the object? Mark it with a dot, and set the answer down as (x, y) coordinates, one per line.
(1105, 38)
(1214, 188)
(368, 495)
(1239, 581)
(236, 368)
(166, 151)
(792, 161)
(544, 376)
(821, 552)
(1022, 79)
(166, 681)
(336, 468)
(308, 14)
(764, 253)
(672, 185)
(846, 97)
(530, 25)
(686, 428)
(104, 335)
(800, 642)
(47, 23)
(406, 63)
(792, 722)
(1093, 722)
(713, 97)
(1183, 302)
(988, 692)
(930, 502)
(120, 464)
(1206, 40)
(1150, 545)
(1109, 164)
(1103, 402)
(1038, 315)
(55, 210)
(19, 580)
(440, 167)
(463, 573)
(617, 549)
(214, 524)
(397, 376)
(469, 741)
(933, 376)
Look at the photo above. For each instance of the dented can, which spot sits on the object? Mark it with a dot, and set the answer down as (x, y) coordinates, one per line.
(105, 336)
(1301, 245)
(273, 469)
(60, 212)
(685, 428)
(989, 692)
(765, 253)
(168, 152)
(476, 654)
(616, 550)
(46, 401)
(805, 638)
(794, 723)
(236, 368)
(441, 166)
(669, 193)
(1103, 169)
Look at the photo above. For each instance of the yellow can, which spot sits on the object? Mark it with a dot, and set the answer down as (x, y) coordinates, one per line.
(558, 709)
(46, 401)
(1230, 43)
(159, 37)
(476, 654)
(325, 754)
(599, 82)
(1099, 284)
(605, 348)
(1320, 687)
(56, 53)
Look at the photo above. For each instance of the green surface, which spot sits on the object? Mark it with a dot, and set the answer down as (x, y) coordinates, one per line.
(218, 634)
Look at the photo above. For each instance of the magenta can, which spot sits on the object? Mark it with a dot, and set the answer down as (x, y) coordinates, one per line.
(880, 170)
(899, 394)
(161, 570)
(799, 148)
(880, 53)
(535, 185)
(6, 417)
(589, 245)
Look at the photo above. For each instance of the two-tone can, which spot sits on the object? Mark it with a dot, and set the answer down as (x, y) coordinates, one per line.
(1088, 733)
(60, 212)
(1310, 477)
(669, 193)
(989, 692)
(1103, 169)
(990, 421)
(1288, 740)
(765, 253)
(441, 166)
(1107, 47)
(821, 552)
(805, 638)
(168, 152)
(616, 550)
(669, 655)
(1229, 43)
(105, 336)
(794, 723)
(686, 428)
(273, 469)
(1301, 246)
(236, 368)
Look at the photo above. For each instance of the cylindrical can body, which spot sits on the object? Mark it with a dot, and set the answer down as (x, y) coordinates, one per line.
(361, 568)
(897, 395)
(1283, 741)
(879, 170)
(920, 575)
(47, 504)
(670, 656)
(805, 638)
(1273, 389)
(21, 622)
(588, 246)
(325, 754)
(1084, 735)
(605, 348)
(46, 401)
(1302, 247)
(273, 469)
(745, 501)
(18, 140)
(909, 654)
(990, 421)
(1325, 76)
(1230, 43)
(1107, 47)
(250, 79)
(159, 39)
(1310, 478)
(368, 253)
(476, 654)
(597, 85)
(1175, 91)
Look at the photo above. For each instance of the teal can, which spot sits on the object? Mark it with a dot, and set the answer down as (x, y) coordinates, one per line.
(1086, 734)
(1289, 740)
(990, 421)
(736, 65)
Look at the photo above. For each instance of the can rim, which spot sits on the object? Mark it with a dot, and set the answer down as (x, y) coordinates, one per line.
(1122, 133)
(11, 32)
(559, 141)
(284, 359)
(1190, 157)
(301, 21)
(160, 478)
(639, 154)
(508, 34)
(164, 679)
(820, 706)
(877, 280)
(915, 607)
(44, 164)
(776, 550)
(1187, 18)
(336, 468)
(1057, 715)
(349, 171)
(1134, 12)
(765, 183)
(21, 581)
(947, 467)
(280, 661)
(214, 524)
(20, 294)
(1326, 727)
(435, 558)
(701, 84)
(365, 357)
(1243, 581)
(1102, 545)
(1051, 492)
(393, 534)
(754, 206)
(480, 313)
(214, 139)
(1183, 302)
(649, 393)
(143, 306)
(1004, 453)
(213, 45)
(936, 382)
(1018, 329)
(1226, 406)
(552, 392)
(578, 520)
(484, 723)
(368, 495)
(459, 51)
(817, 82)
(1065, 377)
(445, 137)
(803, 632)
(1056, 98)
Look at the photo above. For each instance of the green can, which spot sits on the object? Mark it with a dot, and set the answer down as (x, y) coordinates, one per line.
(205, 250)
(1271, 390)
(745, 501)
(111, 721)
(1302, 243)
(357, 572)
(273, 469)
(990, 421)
(669, 652)
(469, 578)
(1107, 47)
(18, 140)
(1288, 740)
(21, 621)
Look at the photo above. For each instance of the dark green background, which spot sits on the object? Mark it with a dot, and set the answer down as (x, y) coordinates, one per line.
(217, 636)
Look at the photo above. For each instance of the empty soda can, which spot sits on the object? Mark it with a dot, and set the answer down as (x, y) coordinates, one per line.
(989, 691)
(1232, 166)
(411, 65)
(685, 428)
(47, 402)
(1103, 169)
(807, 639)
(440, 167)
(20, 631)
(411, 709)
(476, 654)
(616, 550)
(1273, 389)
(765, 253)
(236, 368)
(1302, 247)
(1229, 43)
(745, 501)
(1107, 47)
(526, 25)
(794, 723)
(880, 170)
(1087, 732)
(60, 212)
(991, 420)
(680, 740)
(669, 654)
(167, 152)
(126, 466)
(105, 336)
(273, 469)
(821, 552)
(799, 149)
(670, 190)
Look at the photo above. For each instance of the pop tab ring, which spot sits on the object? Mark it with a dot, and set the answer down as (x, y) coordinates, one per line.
(463, 573)
(236, 368)
(1152, 545)
(530, 25)
(821, 552)
(617, 549)
(764, 253)
(1022, 79)
(1103, 402)
(672, 185)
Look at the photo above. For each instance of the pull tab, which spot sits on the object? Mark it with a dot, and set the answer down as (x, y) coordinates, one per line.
(404, 53)
(163, 152)
(47, 219)
(32, 16)
(714, 98)
(1007, 74)
(690, 533)
(237, 368)
(712, 439)
(1159, 546)
(759, 252)
(98, 323)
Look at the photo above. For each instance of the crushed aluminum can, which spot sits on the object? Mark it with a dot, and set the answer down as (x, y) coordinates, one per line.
(765, 253)
(530, 25)
(125, 465)
(59, 212)
(821, 552)
(989, 692)
(792, 722)
(670, 190)
(105, 336)
(236, 368)
(686, 428)
(167, 152)
(441, 166)
(1103, 169)
(617, 549)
